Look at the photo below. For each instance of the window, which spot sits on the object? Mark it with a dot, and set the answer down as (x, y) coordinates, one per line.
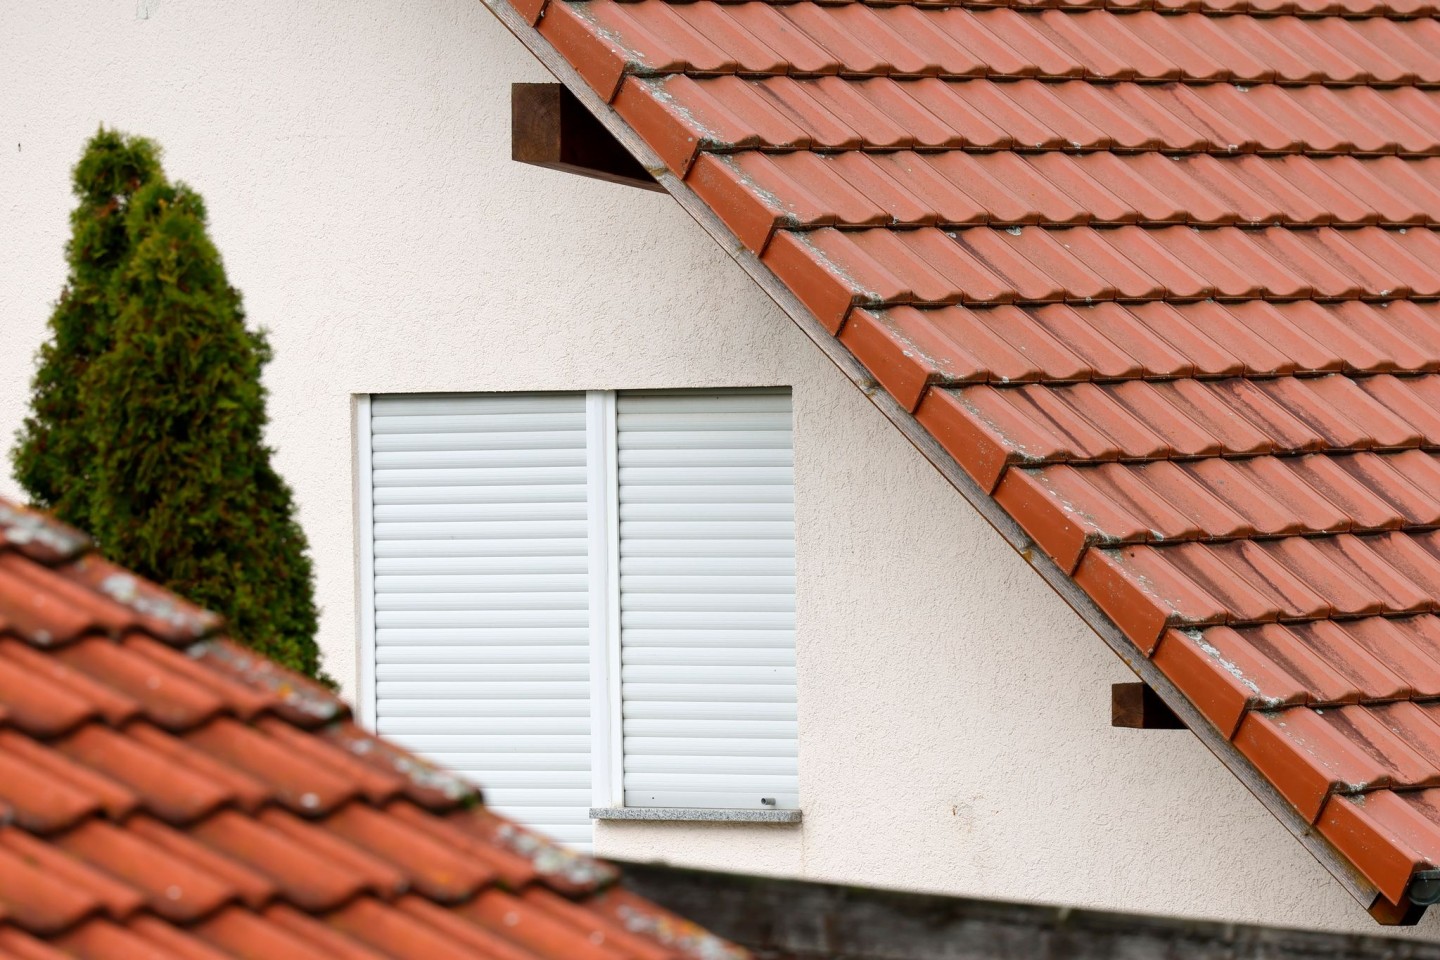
(585, 599)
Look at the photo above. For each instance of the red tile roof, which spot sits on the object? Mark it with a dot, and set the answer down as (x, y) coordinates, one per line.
(1161, 276)
(166, 794)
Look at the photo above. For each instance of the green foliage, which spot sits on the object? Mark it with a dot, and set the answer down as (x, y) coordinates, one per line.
(53, 458)
(176, 481)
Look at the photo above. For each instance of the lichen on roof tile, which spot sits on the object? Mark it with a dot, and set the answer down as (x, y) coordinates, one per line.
(304, 700)
(144, 796)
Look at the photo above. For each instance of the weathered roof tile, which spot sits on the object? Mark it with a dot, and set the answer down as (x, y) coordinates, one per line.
(1159, 276)
(202, 803)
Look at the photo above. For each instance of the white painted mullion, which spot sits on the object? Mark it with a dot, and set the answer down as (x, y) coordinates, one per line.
(606, 778)
(365, 543)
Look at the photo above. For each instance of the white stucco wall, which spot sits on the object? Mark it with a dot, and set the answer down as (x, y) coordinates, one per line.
(354, 156)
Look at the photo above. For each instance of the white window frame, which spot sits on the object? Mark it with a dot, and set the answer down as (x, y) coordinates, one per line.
(365, 561)
(606, 715)
(607, 753)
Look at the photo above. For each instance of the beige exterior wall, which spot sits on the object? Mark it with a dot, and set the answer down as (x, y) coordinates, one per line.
(954, 728)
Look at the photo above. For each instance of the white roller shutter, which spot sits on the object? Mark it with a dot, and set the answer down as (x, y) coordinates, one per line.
(481, 592)
(707, 599)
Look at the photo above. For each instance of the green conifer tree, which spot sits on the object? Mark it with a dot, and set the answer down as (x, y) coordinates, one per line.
(172, 418)
(53, 456)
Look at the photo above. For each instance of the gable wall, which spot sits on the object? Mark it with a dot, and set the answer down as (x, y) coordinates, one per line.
(354, 157)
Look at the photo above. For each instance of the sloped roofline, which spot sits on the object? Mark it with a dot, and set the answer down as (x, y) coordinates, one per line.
(1344, 871)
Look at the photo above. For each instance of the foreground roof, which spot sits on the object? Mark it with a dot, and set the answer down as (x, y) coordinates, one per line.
(1160, 277)
(165, 794)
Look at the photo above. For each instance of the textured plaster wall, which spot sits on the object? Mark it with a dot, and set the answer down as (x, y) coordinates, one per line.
(354, 155)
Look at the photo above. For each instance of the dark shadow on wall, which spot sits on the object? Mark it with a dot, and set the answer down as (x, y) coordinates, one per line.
(795, 920)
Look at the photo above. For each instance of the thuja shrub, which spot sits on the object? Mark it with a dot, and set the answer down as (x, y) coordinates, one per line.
(172, 415)
(53, 458)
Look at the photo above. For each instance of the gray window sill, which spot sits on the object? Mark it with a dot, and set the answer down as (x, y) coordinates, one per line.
(695, 814)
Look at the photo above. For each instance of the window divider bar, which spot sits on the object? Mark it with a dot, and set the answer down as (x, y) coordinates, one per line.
(603, 511)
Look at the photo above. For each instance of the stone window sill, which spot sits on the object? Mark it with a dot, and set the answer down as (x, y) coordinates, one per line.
(695, 814)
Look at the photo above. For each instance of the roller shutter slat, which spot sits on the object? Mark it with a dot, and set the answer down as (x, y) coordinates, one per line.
(743, 745)
(484, 672)
(703, 550)
(780, 566)
(397, 499)
(676, 710)
(421, 483)
(482, 593)
(705, 476)
(522, 528)
(706, 620)
(694, 798)
(532, 581)
(711, 637)
(385, 410)
(701, 691)
(487, 689)
(463, 550)
(519, 509)
(692, 657)
(538, 779)
(514, 760)
(481, 626)
(463, 711)
(736, 437)
(707, 599)
(466, 566)
(707, 512)
(456, 637)
(635, 493)
(481, 577)
(505, 747)
(479, 653)
(494, 726)
(719, 728)
(464, 448)
(658, 675)
(742, 762)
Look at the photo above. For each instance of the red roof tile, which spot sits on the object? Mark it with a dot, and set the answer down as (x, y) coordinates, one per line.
(1162, 277)
(166, 794)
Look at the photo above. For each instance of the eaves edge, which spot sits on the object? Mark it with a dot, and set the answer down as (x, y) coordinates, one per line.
(1364, 892)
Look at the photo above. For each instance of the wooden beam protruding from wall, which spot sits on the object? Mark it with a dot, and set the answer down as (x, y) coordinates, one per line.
(1137, 706)
(550, 128)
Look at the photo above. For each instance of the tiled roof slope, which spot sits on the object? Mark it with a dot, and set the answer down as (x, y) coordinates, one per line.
(1161, 276)
(167, 795)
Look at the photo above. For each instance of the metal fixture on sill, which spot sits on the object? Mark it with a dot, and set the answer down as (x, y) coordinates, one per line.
(1424, 887)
